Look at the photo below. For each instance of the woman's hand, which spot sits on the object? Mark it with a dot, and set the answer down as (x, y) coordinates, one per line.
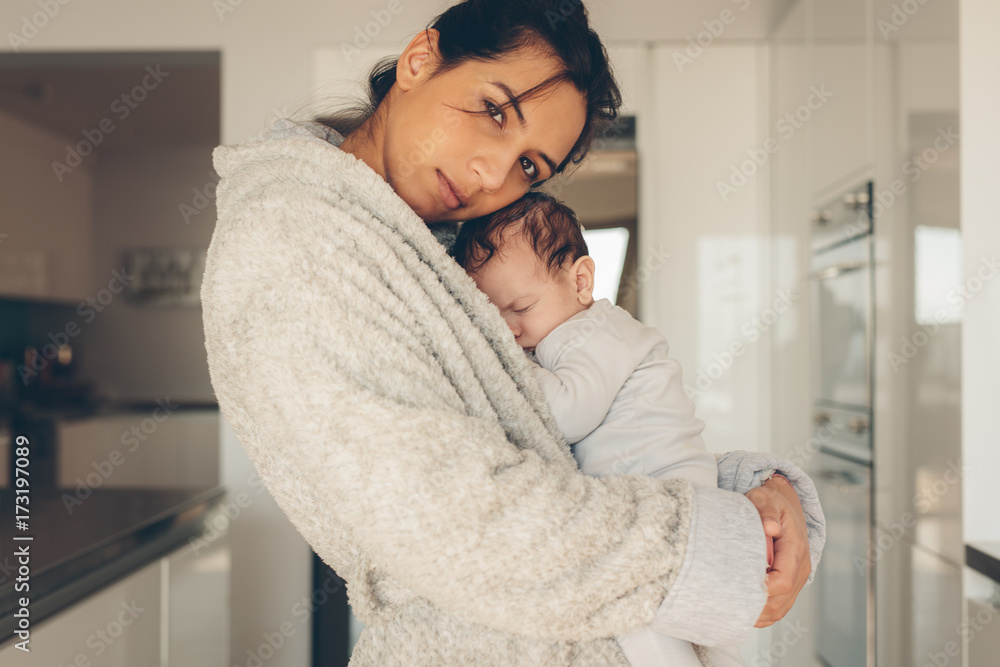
(781, 514)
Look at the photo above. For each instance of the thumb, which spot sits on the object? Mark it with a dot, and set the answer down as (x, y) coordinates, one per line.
(771, 518)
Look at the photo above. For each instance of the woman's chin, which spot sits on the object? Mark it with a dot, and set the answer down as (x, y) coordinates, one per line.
(426, 207)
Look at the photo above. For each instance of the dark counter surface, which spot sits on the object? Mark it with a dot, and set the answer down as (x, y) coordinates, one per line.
(79, 545)
(984, 557)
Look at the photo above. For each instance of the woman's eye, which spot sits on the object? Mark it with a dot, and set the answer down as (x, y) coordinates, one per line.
(495, 112)
(530, 170)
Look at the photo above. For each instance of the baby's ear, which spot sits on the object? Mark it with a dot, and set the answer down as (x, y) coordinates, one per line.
(583, 275)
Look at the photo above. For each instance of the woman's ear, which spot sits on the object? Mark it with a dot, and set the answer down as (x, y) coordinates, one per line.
(582, 272)
(418, 60)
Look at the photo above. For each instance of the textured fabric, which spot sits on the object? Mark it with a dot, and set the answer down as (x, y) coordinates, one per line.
(390, 413)
(619, 399)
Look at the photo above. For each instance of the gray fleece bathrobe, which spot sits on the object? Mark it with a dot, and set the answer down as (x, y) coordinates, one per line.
(390, 413)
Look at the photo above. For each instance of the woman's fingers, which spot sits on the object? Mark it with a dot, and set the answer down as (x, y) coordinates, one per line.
(769, 508)
(777, 502)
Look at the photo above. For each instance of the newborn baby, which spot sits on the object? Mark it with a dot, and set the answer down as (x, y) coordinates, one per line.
(617, 397)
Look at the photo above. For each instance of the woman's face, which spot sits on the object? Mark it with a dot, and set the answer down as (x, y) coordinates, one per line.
(451, 165)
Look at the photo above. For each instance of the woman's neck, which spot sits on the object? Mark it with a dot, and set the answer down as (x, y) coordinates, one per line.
(367, 143)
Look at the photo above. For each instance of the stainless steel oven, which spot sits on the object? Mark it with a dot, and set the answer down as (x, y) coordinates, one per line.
(841, 280)
(843, 299)
(844, 575)
(843, 325)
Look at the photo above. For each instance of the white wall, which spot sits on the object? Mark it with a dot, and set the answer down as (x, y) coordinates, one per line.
(980, 106)
(138, 352)
(47, 248)
(700, 123)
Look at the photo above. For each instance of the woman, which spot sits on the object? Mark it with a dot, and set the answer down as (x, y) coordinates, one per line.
(393, 417)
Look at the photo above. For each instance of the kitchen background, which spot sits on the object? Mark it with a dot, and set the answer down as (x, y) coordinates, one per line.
(801, 197)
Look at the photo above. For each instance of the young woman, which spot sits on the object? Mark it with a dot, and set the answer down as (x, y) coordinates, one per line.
(393, 417)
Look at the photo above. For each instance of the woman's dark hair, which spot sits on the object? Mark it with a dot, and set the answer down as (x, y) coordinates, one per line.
(549, 225)
(487, 29)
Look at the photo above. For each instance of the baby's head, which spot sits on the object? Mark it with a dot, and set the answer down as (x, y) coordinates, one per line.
(531, 261)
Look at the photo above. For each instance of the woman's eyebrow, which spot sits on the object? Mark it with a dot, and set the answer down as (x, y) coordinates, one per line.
(549, 161)
(512, 101)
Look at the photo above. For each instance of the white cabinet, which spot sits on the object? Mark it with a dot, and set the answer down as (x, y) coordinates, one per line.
(842, 135)
(165, 447)
(171, 613)
(982, 623)
(197, 604)
(119, 626)
(841, 52)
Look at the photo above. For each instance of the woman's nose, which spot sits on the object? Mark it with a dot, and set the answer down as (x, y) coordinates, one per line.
(491, 178)
(492, 168)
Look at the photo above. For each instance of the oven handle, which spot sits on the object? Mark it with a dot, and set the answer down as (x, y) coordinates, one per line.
(838, 269)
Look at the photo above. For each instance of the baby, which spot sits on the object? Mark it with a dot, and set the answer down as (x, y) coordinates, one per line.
(617, 397)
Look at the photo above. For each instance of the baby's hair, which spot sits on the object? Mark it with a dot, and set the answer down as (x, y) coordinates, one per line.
(550, 226)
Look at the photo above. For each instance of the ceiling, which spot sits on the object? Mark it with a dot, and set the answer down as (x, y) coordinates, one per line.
(72, 93)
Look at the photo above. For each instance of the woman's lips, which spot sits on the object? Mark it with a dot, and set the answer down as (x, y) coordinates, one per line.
(448, 194)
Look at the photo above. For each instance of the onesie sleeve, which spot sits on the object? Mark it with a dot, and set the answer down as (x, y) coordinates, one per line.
(580, 367)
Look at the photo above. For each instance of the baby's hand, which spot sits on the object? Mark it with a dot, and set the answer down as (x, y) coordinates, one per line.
(770, 551)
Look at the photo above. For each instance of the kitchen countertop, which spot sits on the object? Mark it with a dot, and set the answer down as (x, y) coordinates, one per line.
(984, 557)
(81, 546)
